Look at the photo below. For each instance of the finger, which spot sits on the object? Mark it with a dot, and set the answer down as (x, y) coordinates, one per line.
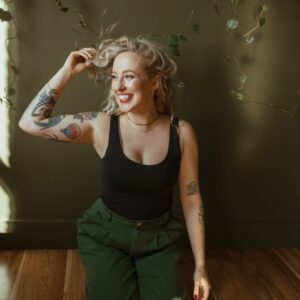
(80, 53)
(206, 289)
(90, 51)
(86, 53)
(89, 63)
(196, 291)
(201, 293)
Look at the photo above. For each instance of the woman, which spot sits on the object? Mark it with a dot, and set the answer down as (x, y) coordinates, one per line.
(129, 241)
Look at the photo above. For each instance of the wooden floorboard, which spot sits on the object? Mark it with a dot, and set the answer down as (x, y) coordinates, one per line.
(235, 274)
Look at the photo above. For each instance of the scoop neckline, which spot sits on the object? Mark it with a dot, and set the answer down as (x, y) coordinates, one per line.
(135, 162)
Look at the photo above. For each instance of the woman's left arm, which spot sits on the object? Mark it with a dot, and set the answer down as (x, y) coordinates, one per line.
(192, 205)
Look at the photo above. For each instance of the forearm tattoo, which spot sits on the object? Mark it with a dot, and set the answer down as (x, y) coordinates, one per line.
(44, 108)
(191, 188)
(201, 214)
(50, 122)
(45, 104)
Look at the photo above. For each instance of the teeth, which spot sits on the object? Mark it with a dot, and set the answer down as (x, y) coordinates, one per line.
(124, 96)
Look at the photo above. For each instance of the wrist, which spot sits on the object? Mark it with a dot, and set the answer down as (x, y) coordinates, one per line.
(200, 266)
(66, 74)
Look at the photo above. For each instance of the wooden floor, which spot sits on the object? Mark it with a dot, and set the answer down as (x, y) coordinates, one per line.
(249, 274)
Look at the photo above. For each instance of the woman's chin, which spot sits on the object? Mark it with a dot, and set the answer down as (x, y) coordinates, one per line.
(125, 107)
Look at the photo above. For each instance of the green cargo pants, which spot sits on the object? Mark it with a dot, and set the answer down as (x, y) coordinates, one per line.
(127, 259)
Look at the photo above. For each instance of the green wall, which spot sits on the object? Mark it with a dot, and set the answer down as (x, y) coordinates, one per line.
(249, 153)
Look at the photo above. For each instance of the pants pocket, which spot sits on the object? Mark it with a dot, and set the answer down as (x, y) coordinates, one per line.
(93, 227)
(171, 233)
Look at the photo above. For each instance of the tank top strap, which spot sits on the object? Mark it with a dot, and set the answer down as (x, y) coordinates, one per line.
(113, 133)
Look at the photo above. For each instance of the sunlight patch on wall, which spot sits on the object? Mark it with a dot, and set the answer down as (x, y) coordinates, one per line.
(4, 118)
(4, 211)
(5, 200)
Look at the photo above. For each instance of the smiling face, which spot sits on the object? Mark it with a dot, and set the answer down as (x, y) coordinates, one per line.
(131, 84)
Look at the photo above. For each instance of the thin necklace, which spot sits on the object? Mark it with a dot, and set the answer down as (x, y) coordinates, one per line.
(143, 124)
(144, 130)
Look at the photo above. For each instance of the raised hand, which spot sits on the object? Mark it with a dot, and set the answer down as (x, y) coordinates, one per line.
(79, 60)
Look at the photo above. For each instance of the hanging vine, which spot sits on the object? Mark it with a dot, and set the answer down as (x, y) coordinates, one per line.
(232, 25)
(7, 15)
(173, 40)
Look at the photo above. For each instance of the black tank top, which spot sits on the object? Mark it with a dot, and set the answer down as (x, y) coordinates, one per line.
(134, 190)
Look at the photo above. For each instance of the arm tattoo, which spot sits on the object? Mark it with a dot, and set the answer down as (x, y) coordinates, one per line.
(57, 119)
(72, 131)
(45, 104)
(86, 116)
(191, 188)
(201, 214)
(53, 137)
(51, 122)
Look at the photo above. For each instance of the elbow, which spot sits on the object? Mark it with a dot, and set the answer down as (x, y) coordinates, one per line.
(25, 126)
(22, 125)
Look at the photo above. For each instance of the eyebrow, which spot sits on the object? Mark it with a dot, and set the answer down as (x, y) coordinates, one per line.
(127, 71)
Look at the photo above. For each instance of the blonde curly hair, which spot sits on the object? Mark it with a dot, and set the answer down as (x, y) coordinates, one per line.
(156, 62)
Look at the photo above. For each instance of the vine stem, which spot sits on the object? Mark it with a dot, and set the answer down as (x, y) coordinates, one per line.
(82, 19)
(191, 14)
(290, 112)
(252, 30)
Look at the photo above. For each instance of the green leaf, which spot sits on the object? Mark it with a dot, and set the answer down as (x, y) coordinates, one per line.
(250, 39)
(232, 24)
(235, 2)
(262, 22)
(173, 42)
(266, 8)
(243, 78)
(11, 91)
(217, 6)
(15, 70)
(9, 103)
(5, 15)
(175, 50)
(196, 27)
(156, 35)
(182, 37)
(237, 95)
(64, 9)
(82, 24)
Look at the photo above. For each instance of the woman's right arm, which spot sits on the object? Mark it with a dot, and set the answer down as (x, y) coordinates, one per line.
(37, 119)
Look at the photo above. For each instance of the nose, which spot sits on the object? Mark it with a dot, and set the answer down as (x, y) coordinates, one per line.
(120, 85)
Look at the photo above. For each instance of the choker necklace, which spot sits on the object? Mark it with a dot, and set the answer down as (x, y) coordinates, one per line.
(141, 124)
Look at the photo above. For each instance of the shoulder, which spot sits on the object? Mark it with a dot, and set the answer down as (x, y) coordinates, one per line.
(101, 127)
(186, 130)
(187, 134)
(102, 121)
